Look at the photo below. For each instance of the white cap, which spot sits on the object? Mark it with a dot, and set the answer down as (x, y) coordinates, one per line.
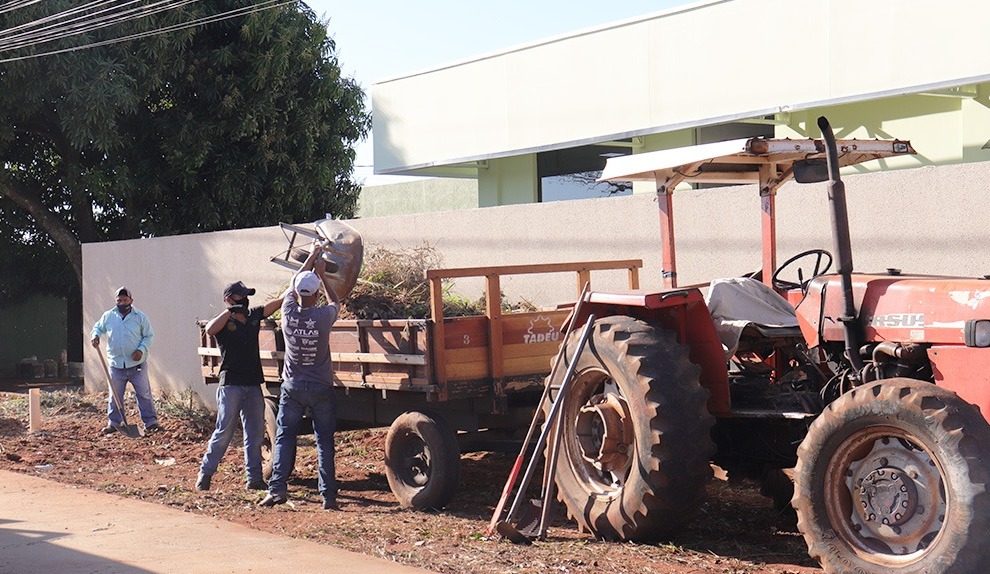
(306, 283)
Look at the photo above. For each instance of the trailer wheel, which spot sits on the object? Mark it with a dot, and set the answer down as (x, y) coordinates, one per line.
(422, 460)
(634, 454)
(891, 478)
(268, 445)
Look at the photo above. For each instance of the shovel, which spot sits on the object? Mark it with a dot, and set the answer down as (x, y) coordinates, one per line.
(130, 431)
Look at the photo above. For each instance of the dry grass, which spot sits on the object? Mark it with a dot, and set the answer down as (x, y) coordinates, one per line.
(393, 285)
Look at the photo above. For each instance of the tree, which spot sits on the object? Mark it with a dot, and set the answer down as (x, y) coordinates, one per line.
(240, 123)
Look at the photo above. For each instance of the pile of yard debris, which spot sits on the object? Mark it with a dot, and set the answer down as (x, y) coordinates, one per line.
(393, 285)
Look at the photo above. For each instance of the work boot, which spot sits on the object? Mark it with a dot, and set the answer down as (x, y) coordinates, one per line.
(152, 428)
(257, 485)
(330, 504)
(203, 481)
(109, 429)
(272, 499)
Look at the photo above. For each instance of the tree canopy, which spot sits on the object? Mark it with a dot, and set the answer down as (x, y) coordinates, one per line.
(244, 122)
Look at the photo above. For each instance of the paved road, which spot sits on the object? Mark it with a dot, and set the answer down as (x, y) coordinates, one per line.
(47, 527)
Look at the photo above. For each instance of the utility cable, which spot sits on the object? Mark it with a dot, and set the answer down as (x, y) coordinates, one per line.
(15, 4)
(84, 23)
(262, 6)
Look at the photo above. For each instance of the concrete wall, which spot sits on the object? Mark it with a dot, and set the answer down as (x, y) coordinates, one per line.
(932, 219)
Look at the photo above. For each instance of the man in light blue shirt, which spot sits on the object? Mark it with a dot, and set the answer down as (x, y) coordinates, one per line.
(129, 335)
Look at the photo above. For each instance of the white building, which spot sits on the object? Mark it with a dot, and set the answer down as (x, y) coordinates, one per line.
(510, 122)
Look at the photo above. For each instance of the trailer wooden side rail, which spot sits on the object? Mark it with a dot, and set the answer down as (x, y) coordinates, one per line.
(470, 364)
(504, 357)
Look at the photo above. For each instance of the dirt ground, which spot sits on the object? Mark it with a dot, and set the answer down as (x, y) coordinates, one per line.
(737, 531)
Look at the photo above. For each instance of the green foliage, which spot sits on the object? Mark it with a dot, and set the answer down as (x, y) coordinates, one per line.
(62, 401)
(14, 407)
(240, 123)
(507, 306)
(69, 401)
(30, 262)
(184, 405)
(455, 305)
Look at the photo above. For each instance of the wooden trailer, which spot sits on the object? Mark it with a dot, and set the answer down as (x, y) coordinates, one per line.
(443, 385)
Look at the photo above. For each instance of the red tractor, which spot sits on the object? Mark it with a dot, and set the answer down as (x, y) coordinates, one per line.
(866, 387)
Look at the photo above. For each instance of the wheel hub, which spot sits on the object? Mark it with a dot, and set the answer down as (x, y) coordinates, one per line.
(605, 432)
(897, 496)
(888, 496)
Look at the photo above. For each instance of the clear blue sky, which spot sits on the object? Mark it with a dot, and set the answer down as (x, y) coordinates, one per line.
(379, 39)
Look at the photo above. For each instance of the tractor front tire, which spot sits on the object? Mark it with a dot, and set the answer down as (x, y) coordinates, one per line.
(422, 460)
(891, 479)
(634, 453)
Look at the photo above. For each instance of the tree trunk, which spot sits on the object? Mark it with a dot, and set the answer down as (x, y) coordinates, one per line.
(30, 201)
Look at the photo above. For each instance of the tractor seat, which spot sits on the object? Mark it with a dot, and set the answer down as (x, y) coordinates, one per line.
(754, 329)
(743, 306)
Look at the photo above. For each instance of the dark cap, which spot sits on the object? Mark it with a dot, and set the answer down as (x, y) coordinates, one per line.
(237, 288)
(123, 292)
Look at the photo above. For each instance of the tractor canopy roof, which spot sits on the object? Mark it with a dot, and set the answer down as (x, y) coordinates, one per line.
(767, 162)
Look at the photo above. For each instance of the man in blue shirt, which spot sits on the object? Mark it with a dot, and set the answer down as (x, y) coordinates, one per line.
(129, 335)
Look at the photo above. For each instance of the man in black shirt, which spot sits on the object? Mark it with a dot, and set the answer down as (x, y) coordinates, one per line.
(236, 331)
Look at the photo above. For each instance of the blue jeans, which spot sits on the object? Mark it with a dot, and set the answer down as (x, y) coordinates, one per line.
(322, 402)
(138, 377)
(249, 403)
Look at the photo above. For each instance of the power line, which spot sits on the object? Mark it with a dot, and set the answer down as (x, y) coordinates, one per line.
(15, 4)
(78, 26)
(80, 20)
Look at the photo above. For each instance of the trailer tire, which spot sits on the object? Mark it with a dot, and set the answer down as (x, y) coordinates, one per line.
(422, 460)
(892, 478)
(268, 445)
(634, 454)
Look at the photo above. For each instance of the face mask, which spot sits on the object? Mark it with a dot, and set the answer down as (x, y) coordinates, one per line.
(243, 301)
(123, 309)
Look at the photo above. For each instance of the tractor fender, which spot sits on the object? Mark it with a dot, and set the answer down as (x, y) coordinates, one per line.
(682, 311)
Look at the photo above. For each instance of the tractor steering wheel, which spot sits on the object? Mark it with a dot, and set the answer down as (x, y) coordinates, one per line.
(823, 262)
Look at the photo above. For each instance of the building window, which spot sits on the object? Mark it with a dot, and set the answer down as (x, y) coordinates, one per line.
(571, 173)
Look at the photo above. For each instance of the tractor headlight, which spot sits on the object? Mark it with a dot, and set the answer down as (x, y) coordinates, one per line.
(977, 332)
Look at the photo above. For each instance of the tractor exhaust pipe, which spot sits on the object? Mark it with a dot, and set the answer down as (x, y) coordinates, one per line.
(843, 250)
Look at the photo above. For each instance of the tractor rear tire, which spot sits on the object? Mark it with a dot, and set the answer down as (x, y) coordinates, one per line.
(634, 453)
(422, 460)
(892, 479)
